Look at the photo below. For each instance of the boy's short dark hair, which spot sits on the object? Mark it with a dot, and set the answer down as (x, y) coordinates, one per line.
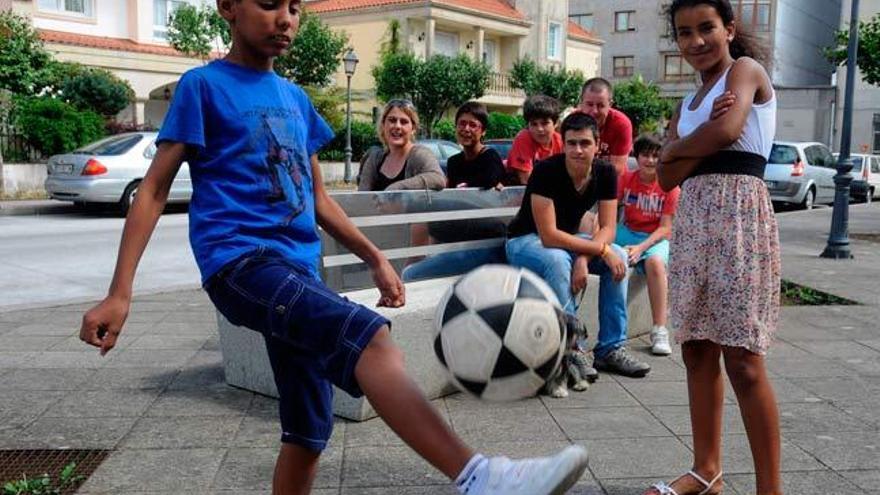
(475, 108)
(647, 143)
(539, 107)
(578, 121)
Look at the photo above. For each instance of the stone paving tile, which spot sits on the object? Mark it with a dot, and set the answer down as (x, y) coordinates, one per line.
(139, 358)
(806, 368)
(182, 432)
(197, 377)
(84, 358)
(524, 423)
(74, 344)
(19, 408)
(678, 419)
(838, 388)
(215, 401)
(662, 370)
(637, 486)
(167, 342)
(13, 360)
(76, 433)
(819, 417)
(842, 349)
(660, 457)
(603, 393)
(810, 482)
(791, 391)
(173, 470)
(34, 343)
(841, 451)
(102, 404)
(130, 378)
(866, 480)
(445, 489)
(661, 393)
(609, 422)
(376, 433)
(867, 410)
(387, 466)
(251, 468)
(863, 366)
(737, 456)
(45, 330)
(45, 378)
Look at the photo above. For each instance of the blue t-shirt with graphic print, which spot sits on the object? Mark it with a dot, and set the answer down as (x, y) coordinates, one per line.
(251, 134)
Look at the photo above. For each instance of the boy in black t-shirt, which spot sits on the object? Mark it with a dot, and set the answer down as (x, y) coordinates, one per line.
(544, 238)
(477, 165)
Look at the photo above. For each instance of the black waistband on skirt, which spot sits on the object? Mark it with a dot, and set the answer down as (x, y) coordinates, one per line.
(732, 162)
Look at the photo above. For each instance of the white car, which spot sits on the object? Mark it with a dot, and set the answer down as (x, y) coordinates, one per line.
(109, 171)
(800, 173)
(866, 177)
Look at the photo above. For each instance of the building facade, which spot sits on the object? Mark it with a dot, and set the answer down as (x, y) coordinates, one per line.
(498, 32)
(638, 40)
(866, 98)
(126, 37)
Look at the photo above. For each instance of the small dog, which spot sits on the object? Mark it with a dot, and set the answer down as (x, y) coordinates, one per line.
(575, 369)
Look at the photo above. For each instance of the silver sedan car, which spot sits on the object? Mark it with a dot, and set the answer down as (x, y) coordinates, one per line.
(800, 173)
(109, 171)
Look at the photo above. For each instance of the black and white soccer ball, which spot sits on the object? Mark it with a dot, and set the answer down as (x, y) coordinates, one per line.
(500, 333)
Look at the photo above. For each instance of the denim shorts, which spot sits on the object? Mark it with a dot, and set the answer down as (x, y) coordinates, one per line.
(629, 237)
(314, 336)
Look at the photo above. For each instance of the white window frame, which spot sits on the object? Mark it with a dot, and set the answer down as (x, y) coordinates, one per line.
(631, 68)
(685, 71)
(876, 133)
(160, 31)
(452, 39)
(490, 55)
(554, 41)
(630, 25)
(59, 7)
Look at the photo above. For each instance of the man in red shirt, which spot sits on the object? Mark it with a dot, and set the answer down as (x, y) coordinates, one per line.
(537, 142)
(615, 128)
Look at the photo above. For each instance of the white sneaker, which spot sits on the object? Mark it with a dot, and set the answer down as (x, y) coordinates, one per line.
(660, 341)
(539, 476)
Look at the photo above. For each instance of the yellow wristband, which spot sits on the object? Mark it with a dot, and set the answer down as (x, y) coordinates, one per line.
(604, 250)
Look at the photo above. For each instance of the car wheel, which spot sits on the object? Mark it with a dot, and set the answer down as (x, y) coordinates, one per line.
(128, 197)
(809, 199)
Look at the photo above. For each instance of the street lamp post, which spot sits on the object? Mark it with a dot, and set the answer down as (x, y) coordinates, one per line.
(350, 62)
(838, 238)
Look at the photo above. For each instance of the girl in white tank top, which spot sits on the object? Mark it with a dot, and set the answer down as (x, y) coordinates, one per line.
(724, 256)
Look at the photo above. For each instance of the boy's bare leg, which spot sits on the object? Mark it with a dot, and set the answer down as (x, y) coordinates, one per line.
(657, 288)
(295, 470)
(399, 402)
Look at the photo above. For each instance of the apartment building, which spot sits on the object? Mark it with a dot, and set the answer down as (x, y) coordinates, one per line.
(126, 37)
(638, 40)
(498, 32)
(866, 98)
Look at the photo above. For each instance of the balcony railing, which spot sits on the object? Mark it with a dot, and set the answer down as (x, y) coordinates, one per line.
(500, 85)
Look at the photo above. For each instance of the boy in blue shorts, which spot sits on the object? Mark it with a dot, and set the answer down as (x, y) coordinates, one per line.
(250, 138)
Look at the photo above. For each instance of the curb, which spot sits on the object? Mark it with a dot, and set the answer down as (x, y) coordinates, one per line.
(16, 208)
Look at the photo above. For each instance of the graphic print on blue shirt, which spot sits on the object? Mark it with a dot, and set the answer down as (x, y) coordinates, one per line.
(282, 163)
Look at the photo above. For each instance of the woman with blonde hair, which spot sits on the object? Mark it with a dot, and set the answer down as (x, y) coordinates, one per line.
(400, 163)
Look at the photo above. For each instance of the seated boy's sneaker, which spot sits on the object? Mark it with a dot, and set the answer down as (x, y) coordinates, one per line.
(539, 476)
(620, 361)
(660, 341)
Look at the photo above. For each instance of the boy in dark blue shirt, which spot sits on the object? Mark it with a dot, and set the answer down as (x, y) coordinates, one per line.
(250, 138)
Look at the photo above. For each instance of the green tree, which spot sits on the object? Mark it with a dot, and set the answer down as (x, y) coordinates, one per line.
(23, 58)
(868, 57)
(98, 90)
(392, 42)
(504, 126)
(434, 85)
(642, 103)
(564, 85)
(197, 31)
(315, 54)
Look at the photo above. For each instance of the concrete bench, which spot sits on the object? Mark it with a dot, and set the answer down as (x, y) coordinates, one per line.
(431, 237)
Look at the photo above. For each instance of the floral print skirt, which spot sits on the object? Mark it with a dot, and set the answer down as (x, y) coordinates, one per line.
(724, 264)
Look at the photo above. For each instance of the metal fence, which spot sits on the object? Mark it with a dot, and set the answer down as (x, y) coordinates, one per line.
(14, 148)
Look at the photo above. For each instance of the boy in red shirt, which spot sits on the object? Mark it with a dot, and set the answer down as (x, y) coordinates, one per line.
(537, 142)
(614, 126)
(645, 230)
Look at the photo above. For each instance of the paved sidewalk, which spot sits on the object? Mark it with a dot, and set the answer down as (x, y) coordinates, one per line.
(160, 402)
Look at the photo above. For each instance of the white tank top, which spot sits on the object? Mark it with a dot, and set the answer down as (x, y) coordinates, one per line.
(758, 132)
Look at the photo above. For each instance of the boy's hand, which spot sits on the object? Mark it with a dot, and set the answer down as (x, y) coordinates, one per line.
(579, 273)
(617, 266)
(102, 324)
(634, 253)
(722, 104)
(391, 289)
